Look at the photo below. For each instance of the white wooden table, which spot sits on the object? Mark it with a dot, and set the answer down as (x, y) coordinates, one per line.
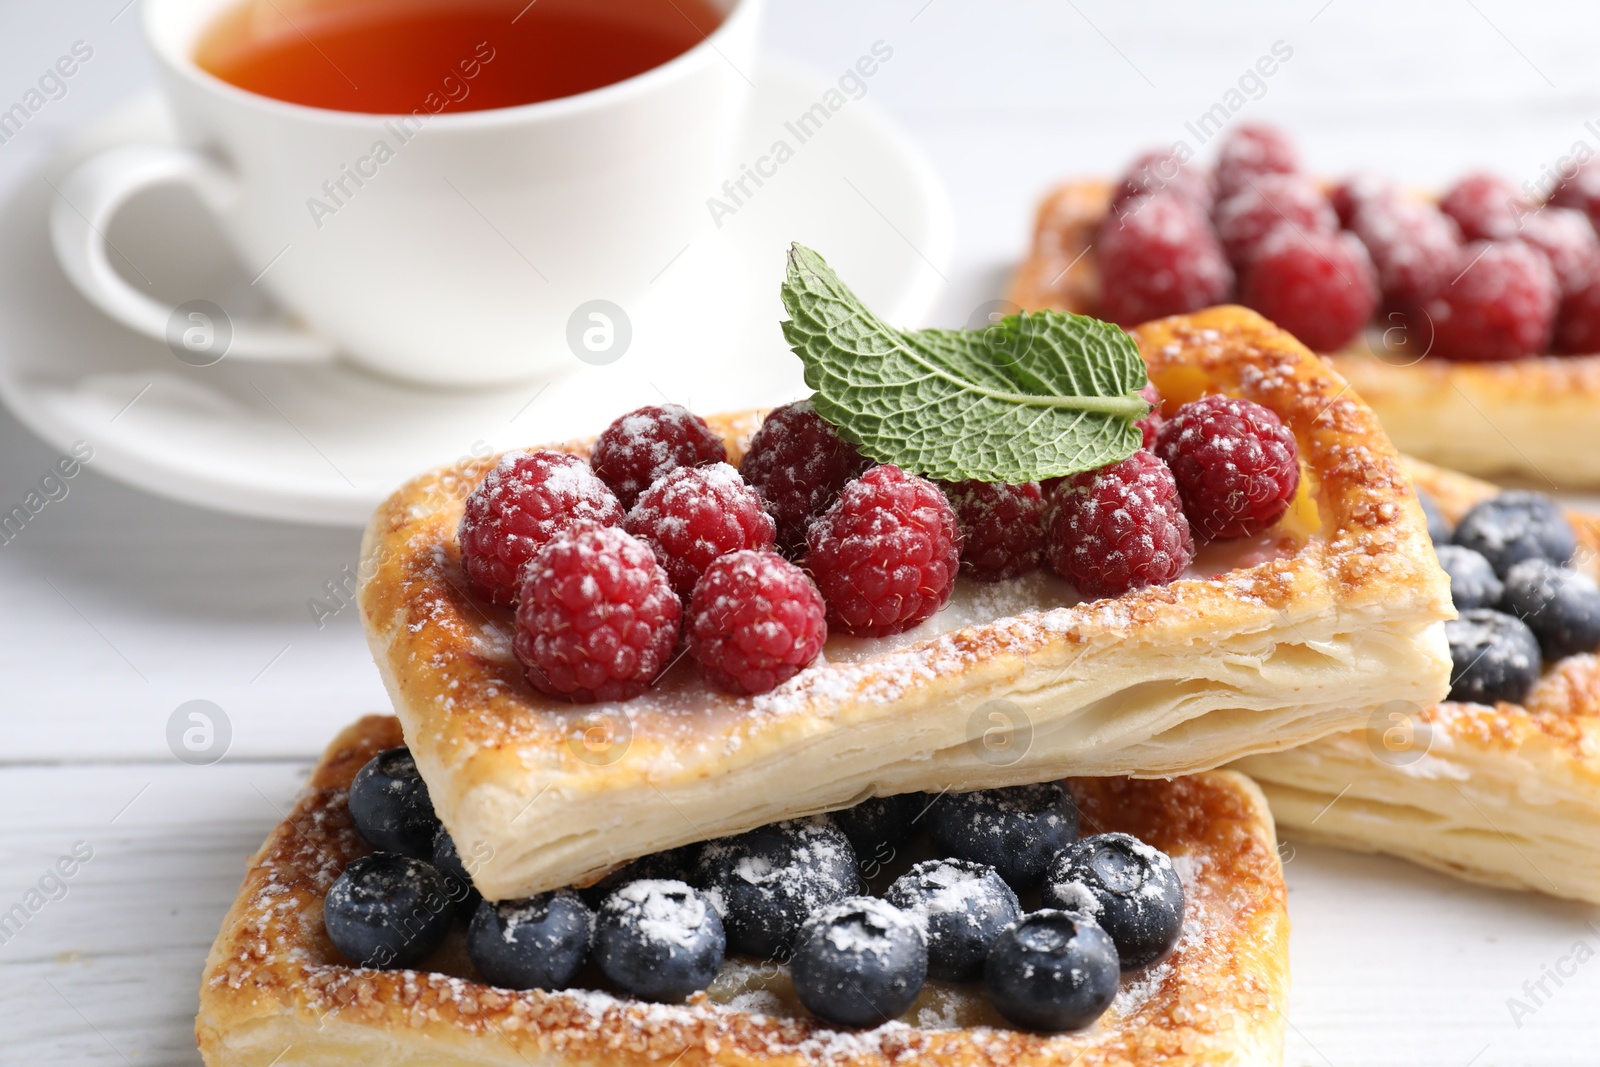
(119, 607)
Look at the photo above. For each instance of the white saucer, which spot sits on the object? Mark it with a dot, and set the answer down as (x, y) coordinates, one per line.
(325, 444)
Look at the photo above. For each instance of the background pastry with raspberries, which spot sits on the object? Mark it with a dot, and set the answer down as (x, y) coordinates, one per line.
(1468, 318)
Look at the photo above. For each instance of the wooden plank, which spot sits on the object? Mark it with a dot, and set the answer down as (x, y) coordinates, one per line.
(107, 971)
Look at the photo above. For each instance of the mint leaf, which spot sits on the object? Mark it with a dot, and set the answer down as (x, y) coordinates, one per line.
(1037, 395)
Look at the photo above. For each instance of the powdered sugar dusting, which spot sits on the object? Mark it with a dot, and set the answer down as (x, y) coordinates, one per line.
(955, 887)
(1075, 896)
(663, 910)
(860, 926)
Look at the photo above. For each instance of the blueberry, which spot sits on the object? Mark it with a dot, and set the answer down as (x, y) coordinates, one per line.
(537, 943)
(1015, 830)
(673, 865)
(1127, 887)
(458, 881)
(963, 905)
(390, 806)
(1493, 657)
(1560, 605)
(659, 939)
(767, 881)
(387, 910)
(1054, 970)
(879, 825)
(1473, 583)
(1514, 526)
(860, 961)
(1438, 525)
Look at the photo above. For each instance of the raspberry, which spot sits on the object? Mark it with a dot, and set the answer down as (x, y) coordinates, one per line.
(885, 554)
(1120, 528)
(755, 620)
(1236, 464)
(1160, 169)
(1486, 207)
(1321, 287)
(1581, 190)
(1160, 258)
(526, 500)
(1501, 306)
(1002, 527)
(1413, 245)
(799, 464)
(696, 514)
(1150, 425)
(1352, 194)
(1568, 241)
(643, 446)
(1251, 150)
(1578, 322)
(1267, 203)
(596, 618)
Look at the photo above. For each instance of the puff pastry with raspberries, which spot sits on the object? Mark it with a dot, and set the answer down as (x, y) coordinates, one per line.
(1264, 644)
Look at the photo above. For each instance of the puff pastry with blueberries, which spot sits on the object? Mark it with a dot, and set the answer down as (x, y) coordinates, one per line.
(1506, 793)
(276, 991)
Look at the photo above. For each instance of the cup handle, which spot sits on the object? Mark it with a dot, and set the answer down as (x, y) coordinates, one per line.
(90, 197)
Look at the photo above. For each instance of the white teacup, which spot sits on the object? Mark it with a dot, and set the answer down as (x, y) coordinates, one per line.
(456, 248)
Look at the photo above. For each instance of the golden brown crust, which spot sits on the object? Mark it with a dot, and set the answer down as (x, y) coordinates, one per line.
(1513, 418)
(1162, 681)
(276, 991)
(1516, 419)
(1508, 795)
(1061, 270)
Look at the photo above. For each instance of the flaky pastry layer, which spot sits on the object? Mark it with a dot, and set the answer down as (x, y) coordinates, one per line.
(275, 992)
(1507, 795)
(1335, 619)
(1516, 418)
